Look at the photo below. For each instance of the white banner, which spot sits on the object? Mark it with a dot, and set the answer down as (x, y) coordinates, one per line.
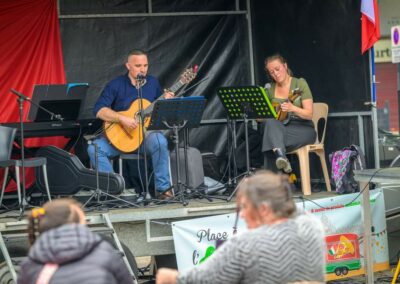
(196, 239)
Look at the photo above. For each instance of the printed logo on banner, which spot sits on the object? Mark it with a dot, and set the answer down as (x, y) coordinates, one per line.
(196, 240)
(218, 238)
(343, 253)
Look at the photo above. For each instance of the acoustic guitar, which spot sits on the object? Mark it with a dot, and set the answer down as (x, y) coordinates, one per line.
(128, 141)
(285, 116)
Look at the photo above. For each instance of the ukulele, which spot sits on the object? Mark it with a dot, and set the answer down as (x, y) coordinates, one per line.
(285, 116)
(128, 141)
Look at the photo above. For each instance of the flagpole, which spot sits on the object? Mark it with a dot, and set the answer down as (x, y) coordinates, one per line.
(374, 107)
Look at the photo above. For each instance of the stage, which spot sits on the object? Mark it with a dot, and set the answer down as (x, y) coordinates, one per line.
(146, 229)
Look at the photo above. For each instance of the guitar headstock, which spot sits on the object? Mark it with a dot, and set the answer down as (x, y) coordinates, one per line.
(189, 74)
(294, 94)
(296, 91)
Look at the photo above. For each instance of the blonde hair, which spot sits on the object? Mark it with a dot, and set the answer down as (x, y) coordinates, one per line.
(266, 187)
(52, 215)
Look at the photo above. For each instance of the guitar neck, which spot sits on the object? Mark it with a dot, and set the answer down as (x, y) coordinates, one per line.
(175, 87)
(293, 97)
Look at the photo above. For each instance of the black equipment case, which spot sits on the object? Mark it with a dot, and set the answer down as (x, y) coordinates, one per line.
(67, 175)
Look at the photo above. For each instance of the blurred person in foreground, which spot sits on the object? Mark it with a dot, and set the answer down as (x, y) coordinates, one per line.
(281, 246)
(64, 250)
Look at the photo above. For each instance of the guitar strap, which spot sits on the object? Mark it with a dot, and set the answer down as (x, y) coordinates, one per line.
(290, 116)
(296, 83)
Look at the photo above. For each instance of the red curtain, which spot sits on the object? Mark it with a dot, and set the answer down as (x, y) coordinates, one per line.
(30, 53)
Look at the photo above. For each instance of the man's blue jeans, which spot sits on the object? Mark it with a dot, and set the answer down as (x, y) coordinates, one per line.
(156, 147)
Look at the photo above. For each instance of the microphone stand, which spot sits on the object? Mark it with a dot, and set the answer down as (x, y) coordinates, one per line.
(52, 114)
(97, 194)
(23, 203)
(139, 83)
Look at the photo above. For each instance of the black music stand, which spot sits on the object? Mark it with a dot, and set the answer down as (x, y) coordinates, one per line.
(176, 114)
(54, 101)
(246, 102)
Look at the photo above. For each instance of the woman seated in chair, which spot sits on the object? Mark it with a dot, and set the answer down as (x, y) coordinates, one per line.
(64, 250)
(294, 103)
(281, 246)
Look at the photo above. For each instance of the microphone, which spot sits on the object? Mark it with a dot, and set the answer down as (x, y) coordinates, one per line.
(140, 77)
(19, 94)
(267, 86)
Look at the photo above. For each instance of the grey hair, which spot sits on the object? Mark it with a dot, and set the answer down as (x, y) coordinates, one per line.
(266, 187)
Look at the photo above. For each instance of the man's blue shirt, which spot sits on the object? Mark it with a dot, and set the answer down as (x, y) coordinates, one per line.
(119, 93)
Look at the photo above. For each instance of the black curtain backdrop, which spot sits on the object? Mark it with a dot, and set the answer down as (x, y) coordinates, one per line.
(95, 51)
(320, 39)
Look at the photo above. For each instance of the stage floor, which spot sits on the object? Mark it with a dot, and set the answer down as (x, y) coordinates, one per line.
(119, 207)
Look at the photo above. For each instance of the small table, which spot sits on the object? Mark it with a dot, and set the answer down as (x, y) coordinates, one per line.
(364, 177)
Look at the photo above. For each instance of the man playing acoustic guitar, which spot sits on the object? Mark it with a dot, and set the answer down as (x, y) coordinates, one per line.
(118, 96)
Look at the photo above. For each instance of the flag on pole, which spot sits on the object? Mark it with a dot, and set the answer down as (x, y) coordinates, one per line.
(370, 32)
